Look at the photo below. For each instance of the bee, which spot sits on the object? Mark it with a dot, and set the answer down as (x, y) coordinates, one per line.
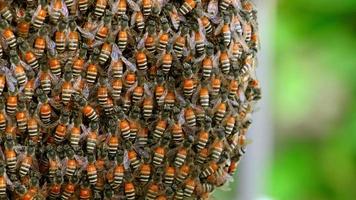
(141, 60)
(217, 146)
(138, 91)
(45, 110)
(75, 132)
(124, 126)
(55, 188)
(39, 43)
(150, 39)
(160, 90)
(29, 56)
(182, 173)
(105, 52)
(132, 156)
(204, 97)
(116, 85)
(126, 102)
(119, 171)
(220, 112)
(183, 152)
(237, 51)
(134, 122)
(5, 11)
(206, 24)
(160, 152)
(92, 69)
(247, 32)
(71, 163)
(92, 137)
(91, 170)
(248, 9)
(73, 37)
(129, 79)
(160, 126)
(190, 117)
(45, 79)
(3, 79)
(233, 88)
(187, 6)
(147, 7)
(3, 117)
(85, 191)
(8, 34)
(177, 133)
(2, 181)
(164, 37)
(152, 191)
(248, 64)
(21, 117)
(139, 21)
(23, 27)
(142, 137)
(53, 162)
(129, 189)
(203, 136)
(147, 107)
(229, 124)
(40, 15)
(61, 129)
(225, 64)
(188, 87)
(18, 68)
(255, 41)
(69, 188)
(121, 7)
(54, 63)
(78, 62)
(83, 5)
(11, 104)
(210, 169)
(69, 4)
(113, 144)
(145, 171)
(180, 43)
(169, 173)
(26, 163)
(29, 87)
(60, 37)
(224, 4)
(226, 32)
(104, 30)
(215, 86)
(170, 99)
(67, 88)
(198, 40)
(100, 7)
(56, 10)
(202, 156)
(10, 156)
(235, 160)
(189, 186)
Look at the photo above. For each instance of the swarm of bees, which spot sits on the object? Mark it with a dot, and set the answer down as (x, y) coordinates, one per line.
(124, 99)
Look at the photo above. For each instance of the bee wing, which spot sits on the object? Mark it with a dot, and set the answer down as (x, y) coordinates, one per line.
(128, 64)
(213, 8)
(133, 5)
(219, 28)
(126, 160)
(39, 7)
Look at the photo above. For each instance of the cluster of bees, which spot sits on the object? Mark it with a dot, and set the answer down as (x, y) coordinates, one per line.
(124, 99)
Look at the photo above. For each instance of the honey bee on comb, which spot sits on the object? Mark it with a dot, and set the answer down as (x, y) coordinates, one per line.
(123, 99)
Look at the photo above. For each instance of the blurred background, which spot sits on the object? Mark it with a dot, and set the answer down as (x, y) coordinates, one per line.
(304, 132)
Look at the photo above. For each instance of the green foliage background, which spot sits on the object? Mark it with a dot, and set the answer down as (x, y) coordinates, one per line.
(313, 102)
